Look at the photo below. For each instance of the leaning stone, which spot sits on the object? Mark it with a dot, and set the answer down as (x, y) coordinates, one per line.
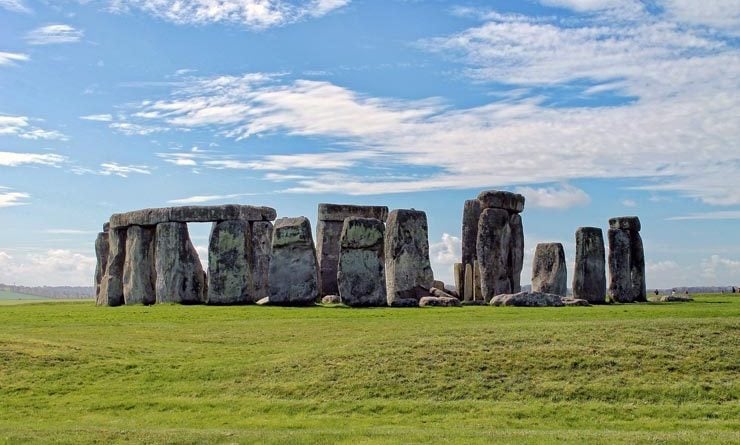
(180, 275)
(458, 270)
(407, 254)
(229, 274)
(439, 301)
(625, 223)
(497, 199)
(620, 280)
(494, 242)
(293, 266)
(549, 274)
(471, 215)
(435, 292)
(331, 299)
(111, 290)
(138, 269)
(339, 212)
(361, 271)
(527, 299)
(263, 301)
(260, 259)
(589, 276)
(516, 252)
(101, 254)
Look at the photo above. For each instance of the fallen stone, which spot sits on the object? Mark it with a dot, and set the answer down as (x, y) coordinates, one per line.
(138, 269)
(229, 274)
(263, 301)
(331, 299)
(407, 254)
(260, 259)
(494, 242)
(438, 284)
(439, 301)
(549, 274)
(516, 251)
(570, 301)
(180, 275)
(471, 215)
(674, 299)
(293, 266)
(434, 292)
(405, 302)
(361, 271)
(528, 299)
(111, 289)
(589, 276)
(625, 223)
(101, 254)
(497, 199)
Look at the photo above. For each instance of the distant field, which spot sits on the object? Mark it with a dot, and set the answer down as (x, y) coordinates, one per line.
(8, 298)
(7, 295)
(651, 373)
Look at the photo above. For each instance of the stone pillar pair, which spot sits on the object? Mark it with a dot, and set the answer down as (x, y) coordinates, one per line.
(626, 261)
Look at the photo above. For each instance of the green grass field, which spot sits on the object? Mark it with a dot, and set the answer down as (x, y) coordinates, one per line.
(650, 373)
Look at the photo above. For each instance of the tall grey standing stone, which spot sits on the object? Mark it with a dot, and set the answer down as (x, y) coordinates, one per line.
(101, 254)
(458, 272)
(180, 275)
(260, 259)
(407, 266)
(471, 215)
(294, 273)
(589, 276)
(328, 231)
(229, 275)
(111, 290)
(626, 260)
(637, 269)
(138, 269)
(516, 252)
(494, 243)
(549, 272)
(361, 272)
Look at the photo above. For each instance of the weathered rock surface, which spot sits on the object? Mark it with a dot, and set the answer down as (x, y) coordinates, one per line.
(407, 254)
(331, 299)
(405, 302)
(527, 299)
(589, 276)
(180, 275)
(328, 231)
(471, 215)
(625, 223)
(439, 301)
(138, 269)
(620, 278)
(229, 274)
(361, 271)
(516, 251)
(149, 217)
(469, 289)
(437, 284)
(101, 254)
(494, 242)
(260, 259)
(294, 272)
(637, 267)
(549, 273)
(570, 301)
(674, 298)
(498, 199)
(111, 290)
(458, 271)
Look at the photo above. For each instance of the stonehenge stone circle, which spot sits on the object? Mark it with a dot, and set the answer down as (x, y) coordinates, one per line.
(589, 276)
(101, 254)
(626, 261)
(229, 274)
(294, 271)
(549, 270)
(407, 266)
(138, 267)
(361, 270)
(328, 231)
(180, 275)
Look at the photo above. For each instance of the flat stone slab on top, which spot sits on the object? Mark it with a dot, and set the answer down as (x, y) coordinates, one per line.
(151, 217)
(338, 212)
(498, 199)
(625, 223)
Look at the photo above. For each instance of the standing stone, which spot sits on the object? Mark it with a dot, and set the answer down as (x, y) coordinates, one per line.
(138, 268)
(469, 294)
(477, 289)
(471, 215)
(328, 231)
(458, 271)
(294, 272)
(180, 275)
(260, 258)
(494, 243)
(361, 274)
(111, 291)
(589, 276)
(620, 278)
(549, 273)
(407, 266)
(637, 255)
(229, 275)
(101, 254)
(516, 252)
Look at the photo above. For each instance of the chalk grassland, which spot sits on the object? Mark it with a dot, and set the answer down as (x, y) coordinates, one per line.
(72, 373)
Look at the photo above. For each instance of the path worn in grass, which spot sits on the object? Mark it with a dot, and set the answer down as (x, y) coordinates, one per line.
(73, 373)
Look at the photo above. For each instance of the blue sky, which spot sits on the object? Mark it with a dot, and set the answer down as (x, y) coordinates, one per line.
(590, 108)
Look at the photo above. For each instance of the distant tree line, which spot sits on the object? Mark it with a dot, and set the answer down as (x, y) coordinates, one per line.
(57, 292)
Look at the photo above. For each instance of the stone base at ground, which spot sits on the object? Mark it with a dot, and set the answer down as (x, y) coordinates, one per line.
(439, 301)
(535, 299)
(331, 299)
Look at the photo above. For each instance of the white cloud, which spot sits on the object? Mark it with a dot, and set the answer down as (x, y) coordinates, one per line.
(19, 126)
(54, 34)
(595, 5)
(256, 14)
(11, 159)
(658, 267)
(51, 267)
(11, 199)
(718, 215)
(199, 199)
(723, 14)
(7, 58)
(717, 269)
(113, 168)
(98, 117)
(14, 6)
(563, 196)
(629, 203)
(130, 129)
(443, 255)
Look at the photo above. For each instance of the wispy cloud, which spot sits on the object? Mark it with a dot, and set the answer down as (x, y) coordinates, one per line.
(54, 34)
(563, 196)
(10, 198)
(199, 199)
(256, 14)
(20, 126)
(98, 117)
(709, 216)
(12, 159)
(14, 6)
(113, 168)
(7, 58)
